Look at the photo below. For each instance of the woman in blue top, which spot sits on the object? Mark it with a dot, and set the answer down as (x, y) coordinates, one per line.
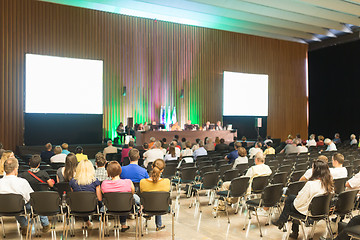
(85, 180)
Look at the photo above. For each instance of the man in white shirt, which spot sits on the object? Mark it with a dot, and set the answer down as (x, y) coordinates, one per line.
(110, 148)
(254, 150)
(59, 156)
(155, 153)
(302, 148)
(11, 184)
(260, 168)
(338, 171)
(311, 141)
(307, 175)
(201, 151)
(331, 145)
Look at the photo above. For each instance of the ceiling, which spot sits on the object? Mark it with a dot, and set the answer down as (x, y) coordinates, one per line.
(304, 21)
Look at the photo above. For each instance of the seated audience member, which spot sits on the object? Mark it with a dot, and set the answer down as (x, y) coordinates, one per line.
(232, 144)
(289, 139)
(221, 147)
(260, 140)
(320, 183)
(5, 156)
(47, 154)
(311, 141)
(210, 146)
(242, 158)
(320, 141)
(85, 180)
(337, 139)
(233, 154)
(269, 149)
(243, 142)
(16, 185)
(297, 138)
(65, 174)
(59, 156)
(219, 126)
(125, 151)
(118, 185)
(290, 148)
(171, 155)
(178, 143)
(100, 171)
(307, 175)
(302, 148)
(338, 171)
(164, 144)
(175, 127)
(133, 171)
(353, 140)
(177, 149)
(254, 150)
(201, 151)
(330, 145)
(196, 145)
(34, 175)
(268, 140)
(151, 143)
(187, 152)
(155, 153)
(110, 148)
(80, 154)
(260, 168)
(65, 148)
(183, 141)
(156, 184)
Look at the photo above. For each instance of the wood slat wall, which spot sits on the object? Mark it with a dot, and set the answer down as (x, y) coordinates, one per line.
(154, 60)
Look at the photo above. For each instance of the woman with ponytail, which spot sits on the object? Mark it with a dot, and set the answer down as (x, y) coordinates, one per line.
(156, 184)
(321, 182)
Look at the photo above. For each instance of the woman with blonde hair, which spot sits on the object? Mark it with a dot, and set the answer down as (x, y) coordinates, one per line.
(85, 180)
(5, 156)
(156, 184)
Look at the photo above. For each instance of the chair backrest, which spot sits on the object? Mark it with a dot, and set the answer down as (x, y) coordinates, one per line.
(45, 203)
(82, 201)
(11, 203)
(339, 185)
(296, 175)
(155, 201)
(204, 164)
(207, 169)
(188, 173)
(110, 156)
(62, 187)
(272, 194)
(170, 170)
(210, 180)
(345, 202)
(259, 183)
(230, 174)
(57, 165)
(242, 168)
(295, 187)
(301, 166)
(187, 165)
(119, 201)
(279, 178)
(320, 205)
(126, 161)
(239, 186)
(284, 168)
(350, 170)
(224, 168)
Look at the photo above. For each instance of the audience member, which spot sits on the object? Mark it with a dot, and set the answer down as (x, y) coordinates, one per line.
(337, 139)
(254, 150)
(178, 143)
(34, 175)
(269, 149)
(177, 149)
(268, 140)
(338, 171)
(353, 140)
(110, 148)
(196, 145)
(298, 138)
(6, 155)
(221, 146)
(47, 154)
(133, 171)
(13, 184)
(201, 151)
(330, 145)
(260, 168)
(65, 174)
(320, 183)
(302, 148)
(156, 184)
(59, 156)
(118, 185)
(85, 180)
(243, 142)
(210, 146)
(242, 158)
(290, 148)
(171, 155)
(311, 142)
(233, 154)
(155, 153)
(217, 141)
(151, 143)
(187, 151)
(65, 148)
(232, 144)
(289, 139)
(183, 141)
(80, 154)
(164, 145)
(320, 141)
(125, 151)
(100, 171)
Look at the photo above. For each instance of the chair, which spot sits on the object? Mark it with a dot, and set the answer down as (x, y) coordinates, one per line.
(45, 204)
(295, 187)
(220, 163)
(339, 185)
(110, 156)
(223, 168)
(157, 203)
(353, 232)
(350, 170)
(204, 164)
(126, 161)
(187, 176)
(39, 187)
(301, 166)
(285, 168)
(118, 204)
(318, 210)
(62, 187)
(242, 168)
(345, 204)
(269, 198)
(81, 204)
(51, 171)
(279, 178)
(230, 174)
(57, 165)
(207, 169)
(296, 175)
(13, 205)
(209, 182)
(259, 183)
(237, 189)
(170, 170)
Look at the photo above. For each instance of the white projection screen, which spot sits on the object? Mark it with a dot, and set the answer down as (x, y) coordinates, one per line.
(63, 85)
(245, 94)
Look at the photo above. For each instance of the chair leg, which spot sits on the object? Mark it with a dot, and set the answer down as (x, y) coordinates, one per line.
(172, 226)
(227, 213)
(303, 229)
(246, 216)
(198, 200)
(257, 218)
(328, 224)
(3, 227)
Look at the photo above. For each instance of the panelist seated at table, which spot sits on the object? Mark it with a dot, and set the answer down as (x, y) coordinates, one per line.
(218, 126)
(156, 127)
(208, 126)
(188, 126)
(175, 127)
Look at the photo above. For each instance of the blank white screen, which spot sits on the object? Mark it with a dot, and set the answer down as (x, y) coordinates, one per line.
(245, 94)
(63, 85)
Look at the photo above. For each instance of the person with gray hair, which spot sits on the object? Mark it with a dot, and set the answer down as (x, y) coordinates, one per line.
(260, 168)
(16, 185)
(291, 147)
(330, 145)
(311, 141)
(110, 148)
(201, 151)
(254, 150)
(154, 153)
(353, 139)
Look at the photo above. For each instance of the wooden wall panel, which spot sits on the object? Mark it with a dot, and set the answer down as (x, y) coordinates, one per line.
(154, 60)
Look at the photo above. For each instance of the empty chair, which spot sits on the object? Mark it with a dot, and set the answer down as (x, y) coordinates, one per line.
(126, 161)
(242, 168)
(301, 166)
(230, 174)
(296, 175)
(111, 156)
(295, 187)
(187, 176)
(204, 164)
(279, 178)
(223, 168)
(207, 169)
(39, 187)
(169, 171)
(284, 168)
(220, 163)
(350, 170)
(259, 183)
(57, 165)
(339, 185)
(345, 203)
